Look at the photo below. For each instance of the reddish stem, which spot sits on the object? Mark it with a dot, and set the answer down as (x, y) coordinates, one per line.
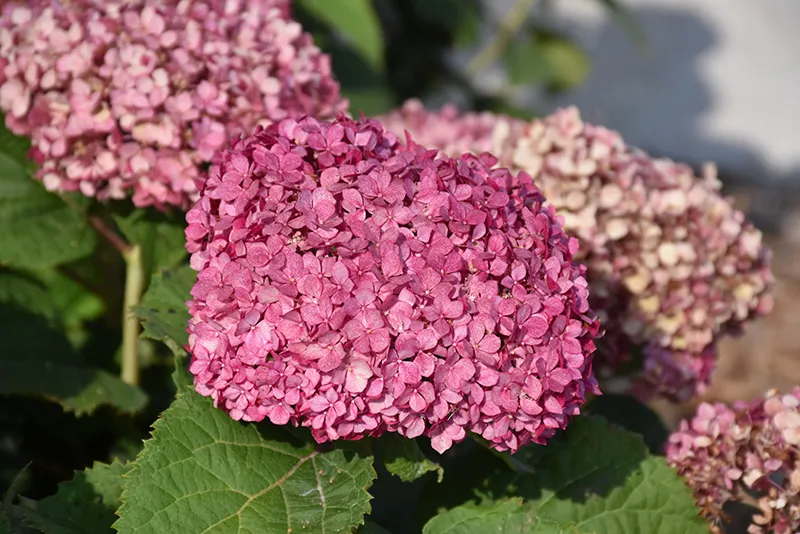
(116, 241)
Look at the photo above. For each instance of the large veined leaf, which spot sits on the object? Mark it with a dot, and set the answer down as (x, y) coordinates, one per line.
(504, 517)
(39, 360)
(203, 472)
(601, 479)
(37, 228)
(357, 23)
(85, 504)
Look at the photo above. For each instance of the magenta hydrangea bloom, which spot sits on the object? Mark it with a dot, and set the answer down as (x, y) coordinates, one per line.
(135, 95)
(353, 285)
(747, 454)
(671, 265)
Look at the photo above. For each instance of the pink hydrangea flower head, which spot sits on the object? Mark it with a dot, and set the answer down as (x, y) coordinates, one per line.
(748, 453)
(357, 286)
(671, 265)
(122, 96)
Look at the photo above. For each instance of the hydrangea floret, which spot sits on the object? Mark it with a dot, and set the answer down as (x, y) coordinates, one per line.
(747, 454)
(138, 95)
(355, 285)
(671, 264)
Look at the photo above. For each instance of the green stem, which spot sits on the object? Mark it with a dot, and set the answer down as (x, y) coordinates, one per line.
(509, 27)
(134, 286)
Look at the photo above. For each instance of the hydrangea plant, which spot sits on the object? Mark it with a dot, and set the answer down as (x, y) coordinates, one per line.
(671, 264)
(122, 97)
(358, 286)
(374, 331)
(746, 454)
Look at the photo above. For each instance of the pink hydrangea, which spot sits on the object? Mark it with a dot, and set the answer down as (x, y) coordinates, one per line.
(748, 454)
(135, 95)
(671, 265)
(356, 286)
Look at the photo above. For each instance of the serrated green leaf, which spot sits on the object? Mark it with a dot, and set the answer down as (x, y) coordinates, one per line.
(163, 309)
(160, 235)
(37, 229)
(165, 317)
(403, 458)
(39, 360)
(356, 21)
(85, 504)
(602, 479)
(204, 472)
(504, 517)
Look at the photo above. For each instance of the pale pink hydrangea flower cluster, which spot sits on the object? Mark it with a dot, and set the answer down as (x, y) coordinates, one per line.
(121, 95)
(748, 454)
(671, 264)
(353, 285)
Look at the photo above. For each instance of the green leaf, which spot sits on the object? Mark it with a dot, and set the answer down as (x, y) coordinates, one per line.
(207, 473)
(525, 61)
(470, 21)
(26, 291)
(569, 66)
(368, 100)
(14, 520)
(37, 228)
(357, 23)
(39, 360)
(161, 236)
(503, 517)
(74, 304)
(165, 317)
(602, 479)
(403, 458)
(632, 415)
(163, 309)
(5, 522)
(85, 504)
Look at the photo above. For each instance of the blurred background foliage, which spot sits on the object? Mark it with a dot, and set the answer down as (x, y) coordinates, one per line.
(386, 51)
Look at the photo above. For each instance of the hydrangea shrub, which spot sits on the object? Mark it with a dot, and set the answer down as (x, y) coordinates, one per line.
(355, 286)
(361, 308)
(749, 454)
(127, 97)
(671, 264)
